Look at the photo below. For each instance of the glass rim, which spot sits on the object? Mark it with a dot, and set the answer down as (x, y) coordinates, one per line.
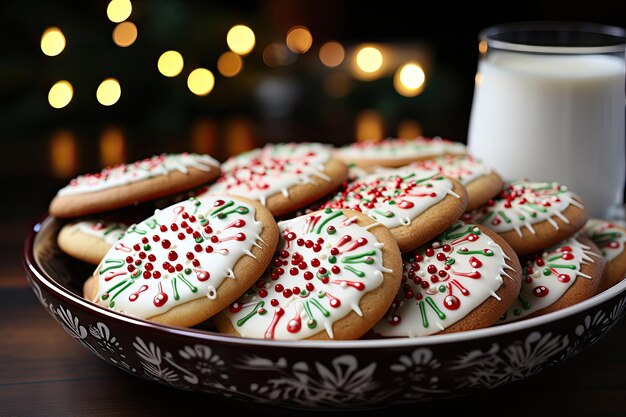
(616, 32)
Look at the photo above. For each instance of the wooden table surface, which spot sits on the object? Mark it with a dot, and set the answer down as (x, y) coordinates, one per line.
(44, 372)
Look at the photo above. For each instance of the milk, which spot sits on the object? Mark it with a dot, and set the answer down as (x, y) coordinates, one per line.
(553, 118)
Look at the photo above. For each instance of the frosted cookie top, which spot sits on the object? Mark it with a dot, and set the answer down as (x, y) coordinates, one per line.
(390, 149)
(273, 169)
(523, 204)
(123, 174)
(463, 168)
(444, 281)
(547, 276)
(609, 238)
(325, 264)
(182, 253)
(393, 197)
(110, 232)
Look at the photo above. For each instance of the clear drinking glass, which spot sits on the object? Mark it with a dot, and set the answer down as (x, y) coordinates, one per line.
(549, 105)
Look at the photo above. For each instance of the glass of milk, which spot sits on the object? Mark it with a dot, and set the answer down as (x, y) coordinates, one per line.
(549, 105)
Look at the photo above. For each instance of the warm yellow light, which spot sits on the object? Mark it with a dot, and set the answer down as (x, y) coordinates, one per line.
(170, 63)
(201, 81)
(52, 41)
(409, 129)
(63, 154)
(299, 39)
(275, 55)
(483, 46)
(409, 80)
(204, 136)
(119, 10)
(229, 64)
(112, 147)
(60, 94)
(125, 34)
(109, 92)
(478, 78)
(332, 54)
(240, 39)
(369, 125)
(369, 59)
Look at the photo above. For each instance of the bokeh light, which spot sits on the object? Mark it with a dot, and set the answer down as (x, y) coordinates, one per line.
(240, 39)
(201, 81)
(409, 80)
(52, 41)
(369, 59)
(60, 94)
(112, 147)
(409, 129)
(125, 34)
(229, 64)
(170, 63)
(277, 55)
(369, 125)
(299, 39)
(109, 92)
(119, 10)
(332, 54)
(63, 154)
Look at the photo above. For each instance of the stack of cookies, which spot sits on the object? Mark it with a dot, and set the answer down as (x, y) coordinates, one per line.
(399, 238)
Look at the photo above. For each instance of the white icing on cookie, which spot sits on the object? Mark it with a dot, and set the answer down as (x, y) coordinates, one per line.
(444, 281)
(463, 168)
(548, 276)
(182, 253)
(273, 169)
(609, 238)
(326, 263)
(394, 197)
(110, 232)
(390, 149)
(523, 204)
(120, 175)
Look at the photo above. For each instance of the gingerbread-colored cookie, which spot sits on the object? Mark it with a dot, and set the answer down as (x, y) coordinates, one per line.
(333, 277)
(188, 261)
(89, 240)
(128, 184)
(463, 280)
(558, 277)
(284, 177)
(416, 205)
(479, 179)
(395, 153)
(532, 216)
(610, 239)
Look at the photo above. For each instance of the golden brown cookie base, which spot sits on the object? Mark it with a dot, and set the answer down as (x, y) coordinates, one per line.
(483, 189)
(81, 245)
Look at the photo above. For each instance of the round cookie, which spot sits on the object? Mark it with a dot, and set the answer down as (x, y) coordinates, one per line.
(610, 239)
(463, 280)
(479, 180)
(395, 153)
(532, 216)
(558, 277)
(416, 205)
(89, 240)
(333, 277)
(127, 184)
(188, 261)
(283, 177)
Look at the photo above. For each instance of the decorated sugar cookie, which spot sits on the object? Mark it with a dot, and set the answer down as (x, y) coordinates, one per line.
(188, 261)
(416, 205)
(465, 279)
(558, 277)
(480, 181)
(531, 216)
(283, 177)
(396, 153)
(333, 276)
(89, 240)
(128, 184)
(610, 239)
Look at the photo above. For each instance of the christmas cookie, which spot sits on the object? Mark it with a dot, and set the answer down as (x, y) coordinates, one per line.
(188, 261)
(128, 184)
(416, 205)
(479, 180)
(465, 279)
(531, 216)
(333, 276)
(558, 277)
(283, 177)
(89, 240)
(610, 239)
(396, 153)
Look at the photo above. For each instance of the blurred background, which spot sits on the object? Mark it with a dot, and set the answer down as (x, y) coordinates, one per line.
(94, 83)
